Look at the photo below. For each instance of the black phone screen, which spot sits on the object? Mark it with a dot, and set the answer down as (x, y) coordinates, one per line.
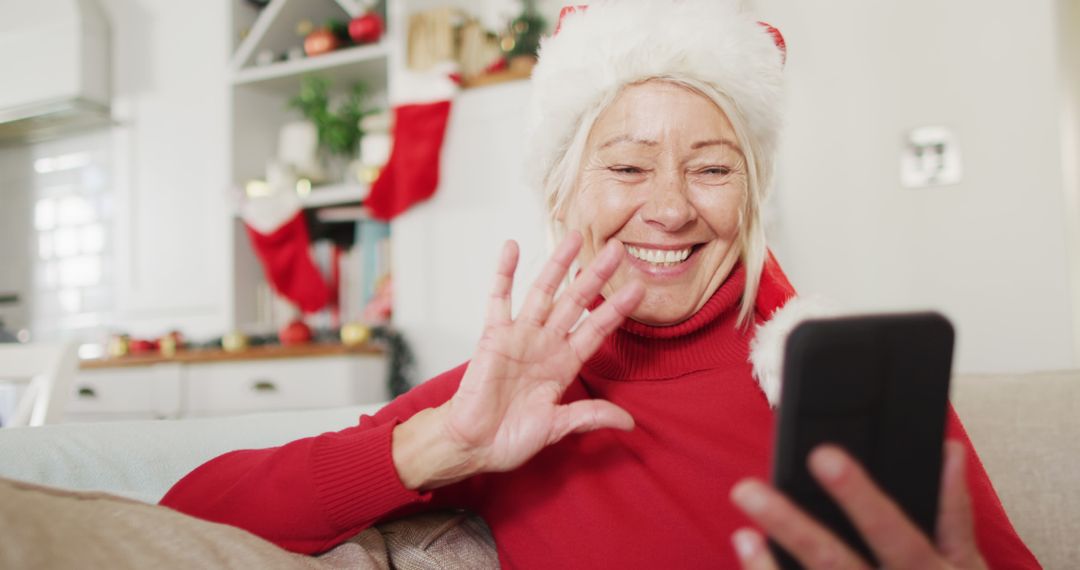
(877, 386)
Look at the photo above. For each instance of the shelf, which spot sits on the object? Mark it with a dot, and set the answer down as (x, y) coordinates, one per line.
(275, 26)
(208, 355)
(360, 63)
(334, 195)
(338, 214)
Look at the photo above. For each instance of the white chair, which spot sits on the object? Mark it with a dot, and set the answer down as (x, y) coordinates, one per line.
(49, 370)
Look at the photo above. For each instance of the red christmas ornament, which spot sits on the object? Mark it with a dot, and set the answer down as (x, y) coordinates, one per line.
(366, 29)
(320, 41)
(296, 332)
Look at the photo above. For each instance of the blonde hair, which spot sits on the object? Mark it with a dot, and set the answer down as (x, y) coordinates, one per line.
(560, 180)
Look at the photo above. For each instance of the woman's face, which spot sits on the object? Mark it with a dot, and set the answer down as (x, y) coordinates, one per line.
(663, 175)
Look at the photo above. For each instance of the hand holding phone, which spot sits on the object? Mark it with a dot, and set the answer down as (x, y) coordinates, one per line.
(877, 386)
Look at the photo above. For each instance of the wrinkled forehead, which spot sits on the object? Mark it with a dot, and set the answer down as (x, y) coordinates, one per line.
(660, 113)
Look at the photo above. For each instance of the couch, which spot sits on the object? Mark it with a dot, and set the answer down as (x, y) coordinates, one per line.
(1025, 427)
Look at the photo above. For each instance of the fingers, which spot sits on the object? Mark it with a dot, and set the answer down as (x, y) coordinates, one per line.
(589, 415)
(955, 526)
(605, 319)
(538, 302)
(752, 551)
(573, 302)
(499, 303)
(895, 539)
(809, 542)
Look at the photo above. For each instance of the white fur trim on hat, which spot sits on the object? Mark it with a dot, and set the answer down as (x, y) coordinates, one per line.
(767, 347)
(613, 43)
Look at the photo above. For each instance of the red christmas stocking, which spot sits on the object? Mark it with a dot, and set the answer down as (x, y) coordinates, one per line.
(412, 174)
(421, 104)
(279, 236)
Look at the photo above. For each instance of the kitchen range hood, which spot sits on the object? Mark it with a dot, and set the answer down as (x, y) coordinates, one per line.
(54, 65)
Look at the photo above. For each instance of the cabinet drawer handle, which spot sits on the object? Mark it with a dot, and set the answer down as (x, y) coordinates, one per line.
(264, 386)
(87, 393)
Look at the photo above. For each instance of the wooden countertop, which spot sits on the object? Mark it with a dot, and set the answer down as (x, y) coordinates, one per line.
(209, 355)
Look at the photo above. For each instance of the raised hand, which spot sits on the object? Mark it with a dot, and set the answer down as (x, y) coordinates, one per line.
(507, 407)
(896, 541)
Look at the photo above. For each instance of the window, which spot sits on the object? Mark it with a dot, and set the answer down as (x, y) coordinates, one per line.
(72, 289)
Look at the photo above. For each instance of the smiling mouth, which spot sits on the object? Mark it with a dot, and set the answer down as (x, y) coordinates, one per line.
(661, 257)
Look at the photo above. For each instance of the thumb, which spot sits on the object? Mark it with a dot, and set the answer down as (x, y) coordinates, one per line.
(955, 526)
(589, 415)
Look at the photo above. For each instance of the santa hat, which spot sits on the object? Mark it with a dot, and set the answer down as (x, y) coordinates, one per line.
(600, 48)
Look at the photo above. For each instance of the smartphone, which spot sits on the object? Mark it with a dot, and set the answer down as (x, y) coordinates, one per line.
(877, 386)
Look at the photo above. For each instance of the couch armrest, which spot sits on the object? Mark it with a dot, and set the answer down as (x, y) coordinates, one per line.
(142, 459)
(1026, 429)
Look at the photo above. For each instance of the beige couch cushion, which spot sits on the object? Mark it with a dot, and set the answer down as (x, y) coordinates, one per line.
(43, 527)
(50, 528)
(449, 541)
(1026, 429)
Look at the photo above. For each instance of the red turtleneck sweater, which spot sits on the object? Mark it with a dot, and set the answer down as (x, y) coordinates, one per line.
(655, 497)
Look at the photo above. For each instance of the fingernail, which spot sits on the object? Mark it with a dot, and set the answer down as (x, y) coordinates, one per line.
(745, 543)
(827, 463)
(750, 496)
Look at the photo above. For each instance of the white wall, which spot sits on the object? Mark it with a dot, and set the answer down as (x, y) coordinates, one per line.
(169, 174)
(1069, 67)
(16, 178)
(989, 252)
(445, 249)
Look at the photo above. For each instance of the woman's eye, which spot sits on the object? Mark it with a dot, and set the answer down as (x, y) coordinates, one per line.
(626, 170)
(717, 171)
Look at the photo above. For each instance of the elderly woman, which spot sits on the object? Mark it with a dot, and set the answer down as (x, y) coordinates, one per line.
(618, 423)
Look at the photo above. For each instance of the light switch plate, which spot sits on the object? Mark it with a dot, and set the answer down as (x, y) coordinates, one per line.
(930, 158)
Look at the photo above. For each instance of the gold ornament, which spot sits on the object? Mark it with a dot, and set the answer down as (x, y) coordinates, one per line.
(235, 341)
(355, 334)
(118, 345)
(167, 346)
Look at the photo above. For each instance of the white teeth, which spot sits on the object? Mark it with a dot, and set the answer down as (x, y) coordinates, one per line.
(659, 256)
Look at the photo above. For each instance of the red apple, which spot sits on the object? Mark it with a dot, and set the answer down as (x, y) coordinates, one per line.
(141, 346)
(366, 29)
(294, 333)
(321, 41)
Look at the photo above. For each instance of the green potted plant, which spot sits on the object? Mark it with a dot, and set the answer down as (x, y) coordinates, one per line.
(336, 119)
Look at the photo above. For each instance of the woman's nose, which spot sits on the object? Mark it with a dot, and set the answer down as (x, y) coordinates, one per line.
(669, 207)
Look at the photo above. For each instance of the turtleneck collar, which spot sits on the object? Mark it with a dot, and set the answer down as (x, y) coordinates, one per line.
(710, 338)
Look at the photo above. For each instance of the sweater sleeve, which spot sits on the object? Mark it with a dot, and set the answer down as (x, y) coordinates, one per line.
(1001, 547)
(311, 494)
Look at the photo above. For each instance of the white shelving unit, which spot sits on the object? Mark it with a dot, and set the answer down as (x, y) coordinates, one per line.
(334, 195)
(259, 95)
(350, 64)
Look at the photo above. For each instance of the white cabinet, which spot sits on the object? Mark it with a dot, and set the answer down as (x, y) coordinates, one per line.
(302, 383)
(136, 392)
(218, 388)
(170, 169)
